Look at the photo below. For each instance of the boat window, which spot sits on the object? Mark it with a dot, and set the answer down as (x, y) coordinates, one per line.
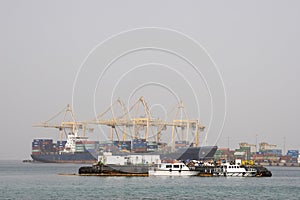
(159, 165)
(238, 166)
(229, 166)
(225, 167)
(168, 166)
(176, 166)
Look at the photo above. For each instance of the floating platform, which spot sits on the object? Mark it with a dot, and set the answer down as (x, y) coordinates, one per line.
(115, 174)
(107, 174)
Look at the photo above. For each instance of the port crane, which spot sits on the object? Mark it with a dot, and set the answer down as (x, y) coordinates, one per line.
(133, 121)
(182, 121)
(147, 122)
(72, 125)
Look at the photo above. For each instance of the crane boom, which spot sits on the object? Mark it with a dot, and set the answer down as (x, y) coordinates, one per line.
(138, 123)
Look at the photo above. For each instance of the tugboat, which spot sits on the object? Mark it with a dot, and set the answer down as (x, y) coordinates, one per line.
(230, 169)
(235, 169)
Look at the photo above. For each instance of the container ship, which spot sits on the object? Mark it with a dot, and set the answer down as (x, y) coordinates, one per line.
(78, 149)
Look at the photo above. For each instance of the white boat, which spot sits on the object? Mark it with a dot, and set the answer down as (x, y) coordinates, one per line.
(172, 169)
(235, 169)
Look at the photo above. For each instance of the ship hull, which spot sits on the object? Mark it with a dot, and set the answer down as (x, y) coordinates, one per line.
(190, 153)
(66, 158)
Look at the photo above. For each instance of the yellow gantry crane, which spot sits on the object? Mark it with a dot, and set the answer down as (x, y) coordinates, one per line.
(185, 124)
(135, 123)
(71, 125)
(145, 122)
(131, 120)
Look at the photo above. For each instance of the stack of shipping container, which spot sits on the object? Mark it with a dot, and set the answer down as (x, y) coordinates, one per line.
(42, 146)
(108, 146)
(181, 144)
(152, 146)
(124, 145)
(294, 154)
(139, 145)
(86, 146)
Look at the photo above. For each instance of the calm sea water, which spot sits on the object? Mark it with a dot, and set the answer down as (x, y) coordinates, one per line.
(41, 181)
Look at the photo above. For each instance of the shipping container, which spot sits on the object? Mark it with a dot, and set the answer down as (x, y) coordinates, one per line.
(276, 152)
(91, 142)
(61, 143)
(47, 147)
(125, 145)
(152, 143)
(140, 150)
(36, 143)
(139, 145)
(182, 142)
(90, 146)
(152, 146)
(41, 140)
(138, 140)
(293, 153)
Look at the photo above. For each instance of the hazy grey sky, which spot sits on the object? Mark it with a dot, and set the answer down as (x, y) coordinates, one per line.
(254, 43)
